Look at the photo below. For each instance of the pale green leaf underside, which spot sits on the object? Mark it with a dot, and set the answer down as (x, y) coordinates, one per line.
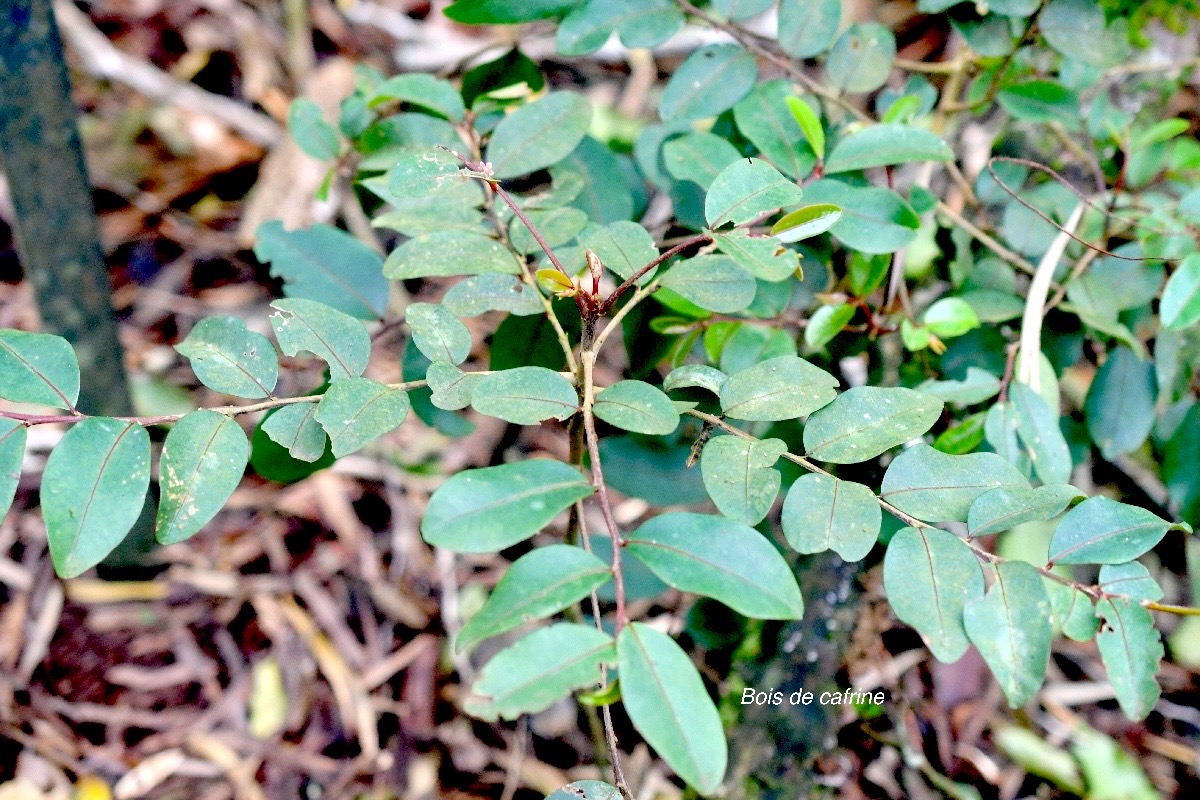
(1131, 650)
(1011, 628)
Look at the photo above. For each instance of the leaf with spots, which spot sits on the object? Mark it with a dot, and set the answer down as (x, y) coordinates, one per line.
(339, 339)
(202, 463)
(296, 428)
(936, 487)
(865, 421)
(230, 358)
(740, 478)
(356, 411)
(1011, 628)
(823, 513)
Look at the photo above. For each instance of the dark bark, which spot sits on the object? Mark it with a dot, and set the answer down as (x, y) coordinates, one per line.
(56, 230)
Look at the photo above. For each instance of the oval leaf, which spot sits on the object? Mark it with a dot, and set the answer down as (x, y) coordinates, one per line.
(929, 576)
(229, 358)
(784, 387)
(545, 666)
(715, 283)
(1131, 650)
(719, 558)
(806, 222)
(822, 513)
(874, 219)
(1120, 403)
(538, 584)
(489, 509)
(806, 27)
(38, 368)
(1103, 531)
(885, 145)
(202, 463)
(540, 134)
(936, 487)
(1180, 306)
(637, 406)
(296, 428)
(1038, 431)
(93, 488)
(868, 420)
(745, 190)
(1011, 628)
(668, 704)
(525, 396)
(449, 253)
(335, 337)
(1003, 509)
(862, 58)
(12, 453)
(739, 477)
(712, 79)
(356, 411)
(437, 333)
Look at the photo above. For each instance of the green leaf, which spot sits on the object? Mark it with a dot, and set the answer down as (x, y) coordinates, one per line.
(1037, 756)
(866, 421)
(739, 477)
(1180, 306)
(504, 12)
(423, 90)
(763, 118)
(1074, 614)
(525, 396)
(697, 376)
(1103, 531)
(587, 790)
(1132, 580)
(737, 10)
(637, 406)
(1037, 428)
(489, 509)
(806, 27)
(714, 283)
(93, 489)
(325, 264)
(356, 411)
(452, 389)
(806, 222)
(38, 368)
(1131, 650)
(935, 487)
(719, 558)
(437, 333)
(12, 453)
(698, 157)
(448, 253)
(1000, 427)
(296, 428)
(539, 134)
(1110, 771)
(229, 358)
(929, 575)
(1120, 403)
(1040, 101)
(331, 335)
(810, 124)
(639, 23)
(202, 463)
(1010, 626)
(827, 322)
(764, 258)
(541, 668)
(710, 80)
(861, 59)
(1005, 508)
(874, 219)
(538, 584)
(666, 700)
(823, 513)
(784, 387)
(1077, 29)
(623, 247)
(884, 145)
(492, 291)
(433, 176)
(950, 317)
(557, 226)
(745, 190)
(962, 437)
(977, 386)
(310, 131)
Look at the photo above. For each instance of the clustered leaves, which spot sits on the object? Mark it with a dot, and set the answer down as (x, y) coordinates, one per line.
(791, 209)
